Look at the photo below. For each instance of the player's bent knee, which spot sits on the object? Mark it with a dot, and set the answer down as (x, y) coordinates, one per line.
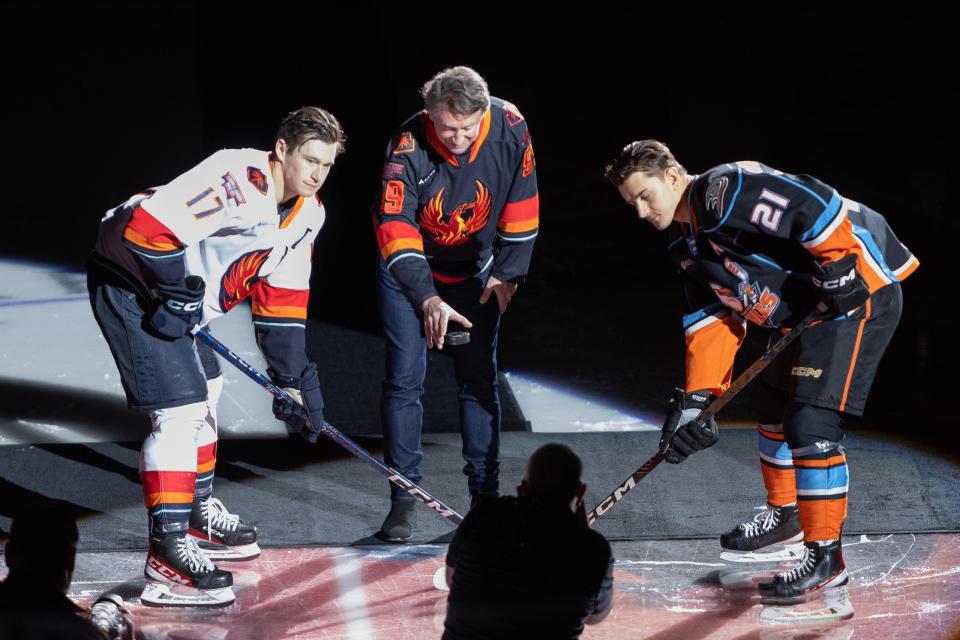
(804, 425)
(187, 419)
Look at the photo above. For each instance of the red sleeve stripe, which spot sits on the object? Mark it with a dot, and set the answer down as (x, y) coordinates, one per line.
(520, 216)
(394, 236)
(146, 231)
(206, 457)
(277, 302)
(160, 487)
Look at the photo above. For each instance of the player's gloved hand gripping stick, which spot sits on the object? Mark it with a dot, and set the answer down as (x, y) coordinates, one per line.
(706, 416)
(328, 430)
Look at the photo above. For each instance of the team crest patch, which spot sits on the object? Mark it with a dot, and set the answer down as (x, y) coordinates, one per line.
(232, 189)
(392, 170)
(715, 193)
(513, 115)
(257, 179)
(405, 143)
(465, 220)
(240, 278)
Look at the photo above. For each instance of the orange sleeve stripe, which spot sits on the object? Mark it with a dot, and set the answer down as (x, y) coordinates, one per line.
(522, 211)
(710, 354)
(146, 231)
(843, 242)
(403, 243)
(390, 231)
(818, 464)
(272, 311)
(517, 227)
(912, 266)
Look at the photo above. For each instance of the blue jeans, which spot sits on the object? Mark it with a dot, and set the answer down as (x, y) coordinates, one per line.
(475, 365)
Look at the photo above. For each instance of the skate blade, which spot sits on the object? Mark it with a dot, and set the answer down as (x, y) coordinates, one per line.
(381, 536)
(217, 552)
(162, 594)
(826, 606)
(786, 553)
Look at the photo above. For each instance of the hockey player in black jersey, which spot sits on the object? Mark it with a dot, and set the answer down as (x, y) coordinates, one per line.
(753, 244)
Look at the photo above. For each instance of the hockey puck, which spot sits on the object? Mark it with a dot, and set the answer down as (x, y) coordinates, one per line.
(457, 338)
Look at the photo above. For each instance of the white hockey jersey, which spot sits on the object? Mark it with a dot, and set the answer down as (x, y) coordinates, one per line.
(221, 219)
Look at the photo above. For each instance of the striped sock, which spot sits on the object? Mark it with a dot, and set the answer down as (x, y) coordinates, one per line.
(822, 482)
(776, 465)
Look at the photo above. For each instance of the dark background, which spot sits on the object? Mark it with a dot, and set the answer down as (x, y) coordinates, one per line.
(103, 100)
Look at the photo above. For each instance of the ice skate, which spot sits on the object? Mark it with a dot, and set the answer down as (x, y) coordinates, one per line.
(180, 575)
(220, 534)
(774, 535)
(820, 569)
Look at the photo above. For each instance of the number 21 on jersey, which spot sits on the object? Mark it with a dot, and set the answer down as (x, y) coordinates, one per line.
(769, 211)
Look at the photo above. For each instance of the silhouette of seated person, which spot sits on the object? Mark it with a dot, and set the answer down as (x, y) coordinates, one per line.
(528, 566)
(40, 554)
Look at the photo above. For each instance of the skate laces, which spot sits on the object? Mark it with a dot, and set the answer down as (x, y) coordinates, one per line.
(762, 522)
(190, 553)
(806, 565)
(219, 517)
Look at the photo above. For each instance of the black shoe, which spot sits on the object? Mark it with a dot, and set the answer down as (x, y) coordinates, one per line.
(174, 558)
(775, 525)
(399, 523)
(821, 567)
(210, 520)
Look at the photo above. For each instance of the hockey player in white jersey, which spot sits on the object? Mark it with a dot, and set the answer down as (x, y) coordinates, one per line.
(239, 225)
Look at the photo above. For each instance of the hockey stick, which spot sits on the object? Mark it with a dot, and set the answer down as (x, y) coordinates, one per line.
(328, 430)
(735, 387)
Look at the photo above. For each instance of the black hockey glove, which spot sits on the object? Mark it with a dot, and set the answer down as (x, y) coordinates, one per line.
(181, 307)
(839, 285)
(306, 416)
(682, 433)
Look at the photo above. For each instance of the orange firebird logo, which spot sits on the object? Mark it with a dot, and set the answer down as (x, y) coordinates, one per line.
(466, 220)
(240, 278)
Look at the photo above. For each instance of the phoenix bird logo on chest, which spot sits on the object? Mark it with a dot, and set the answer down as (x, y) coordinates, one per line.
(240, 278)
(464, 221)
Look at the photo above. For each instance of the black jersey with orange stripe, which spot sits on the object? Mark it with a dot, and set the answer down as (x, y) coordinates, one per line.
(754, 232)
(747, 255)
(449, 217)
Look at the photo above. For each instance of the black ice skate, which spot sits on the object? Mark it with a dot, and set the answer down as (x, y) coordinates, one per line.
(179, 574)
(821, 568)
(774, 526)
(220, 534)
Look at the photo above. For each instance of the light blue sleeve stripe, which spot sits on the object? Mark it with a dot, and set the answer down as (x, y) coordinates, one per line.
(152, 257)
(732, 202)
(777, 449)
(829, 213)
(280, 324)
(406, 255)
(874, 250)
(523, 239)
(807, 189)
(765, 261)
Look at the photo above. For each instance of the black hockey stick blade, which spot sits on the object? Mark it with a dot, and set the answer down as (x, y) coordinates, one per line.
(735, 387)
